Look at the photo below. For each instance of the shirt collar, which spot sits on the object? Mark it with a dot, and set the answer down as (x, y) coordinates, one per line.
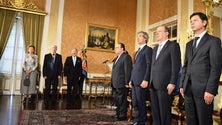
(141, 47)
(201, 35)
(163, 43)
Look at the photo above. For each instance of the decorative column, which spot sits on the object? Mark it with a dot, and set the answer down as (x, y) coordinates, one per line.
(210, 5)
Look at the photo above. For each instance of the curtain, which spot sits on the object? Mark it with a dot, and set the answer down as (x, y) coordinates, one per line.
(7, 18)
(33, 30)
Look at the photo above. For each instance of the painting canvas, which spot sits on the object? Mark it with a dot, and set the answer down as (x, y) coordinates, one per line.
(101, 38)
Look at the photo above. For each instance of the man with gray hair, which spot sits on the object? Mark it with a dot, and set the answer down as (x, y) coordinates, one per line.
(140, 77)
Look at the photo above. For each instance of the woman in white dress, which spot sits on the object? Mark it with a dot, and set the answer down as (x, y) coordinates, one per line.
(29, 66)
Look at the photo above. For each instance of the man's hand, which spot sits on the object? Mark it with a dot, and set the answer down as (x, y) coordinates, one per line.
(144, 84)
(182, 92)
(130, 84)
(127, 86)
(65, 78)
(208, 97)
(59, 77)
(170, 88)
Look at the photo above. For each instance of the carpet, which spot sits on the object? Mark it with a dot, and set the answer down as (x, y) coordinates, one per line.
(69, 117)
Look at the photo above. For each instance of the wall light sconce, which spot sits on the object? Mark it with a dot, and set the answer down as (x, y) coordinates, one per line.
(190, 34)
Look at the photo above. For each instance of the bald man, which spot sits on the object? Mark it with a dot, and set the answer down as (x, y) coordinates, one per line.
(72, 74)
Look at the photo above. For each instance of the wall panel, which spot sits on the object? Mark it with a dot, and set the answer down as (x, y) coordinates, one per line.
(114, 13)
(162, 9)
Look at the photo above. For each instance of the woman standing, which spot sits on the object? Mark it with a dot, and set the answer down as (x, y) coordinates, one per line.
(29, 67)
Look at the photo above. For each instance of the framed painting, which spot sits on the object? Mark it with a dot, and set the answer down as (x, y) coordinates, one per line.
(101, 38)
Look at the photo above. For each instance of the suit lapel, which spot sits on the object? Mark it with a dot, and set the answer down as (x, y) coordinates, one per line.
(141, 51)
(162, 50)
(115, 63)
(201, 43)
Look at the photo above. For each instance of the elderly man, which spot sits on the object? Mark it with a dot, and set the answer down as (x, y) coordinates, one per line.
(52, 71)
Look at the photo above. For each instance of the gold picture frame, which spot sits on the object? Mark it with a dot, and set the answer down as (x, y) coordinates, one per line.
(101, 38)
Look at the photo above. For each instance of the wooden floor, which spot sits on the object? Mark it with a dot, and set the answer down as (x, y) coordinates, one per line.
(11, 106)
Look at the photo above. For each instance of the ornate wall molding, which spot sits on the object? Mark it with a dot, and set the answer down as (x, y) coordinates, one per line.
(210, 6)
(21, 6)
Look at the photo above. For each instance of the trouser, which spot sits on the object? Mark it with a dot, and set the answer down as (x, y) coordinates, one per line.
(48, 83)
(121, 102)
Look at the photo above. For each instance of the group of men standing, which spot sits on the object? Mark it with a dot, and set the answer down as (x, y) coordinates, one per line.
(158, 69)
(155, 70)
(52, 72)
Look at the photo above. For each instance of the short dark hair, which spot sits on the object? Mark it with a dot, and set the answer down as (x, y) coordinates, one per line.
(202, 16)
(122, 46)
(32, 47)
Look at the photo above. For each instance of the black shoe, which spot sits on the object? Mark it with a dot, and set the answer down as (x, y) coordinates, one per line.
(135, 123)
(122, 119)
(114, 116)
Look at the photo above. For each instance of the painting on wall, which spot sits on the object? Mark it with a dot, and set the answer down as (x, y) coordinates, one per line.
(101, 38)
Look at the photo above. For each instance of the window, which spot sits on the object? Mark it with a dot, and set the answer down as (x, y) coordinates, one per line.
(11, 61)
(173, 32)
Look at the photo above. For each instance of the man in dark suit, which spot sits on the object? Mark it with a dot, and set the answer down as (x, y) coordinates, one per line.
(201, 72)
(72, 74)
(139, 78)
(52, 71)
(166, 62)
(120, 77)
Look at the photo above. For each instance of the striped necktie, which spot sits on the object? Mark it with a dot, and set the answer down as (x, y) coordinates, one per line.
(137, 52)
(194, 47)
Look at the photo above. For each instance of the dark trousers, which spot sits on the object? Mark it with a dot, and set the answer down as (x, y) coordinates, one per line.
(161, 107)
(139, 96)
(72, 90)
(80, 87)
(121, 102)
(53, 81)
(197, 111)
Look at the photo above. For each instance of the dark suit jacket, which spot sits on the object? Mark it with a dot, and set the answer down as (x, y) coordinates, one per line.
(121, 71)
(141, 67)
(203, 68)
(166, 67)
(72, 73)
(57, 69)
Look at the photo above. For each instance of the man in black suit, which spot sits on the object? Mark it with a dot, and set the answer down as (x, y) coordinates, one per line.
(166, 62)
(120, 77)
(140, 77)
(72, 74)
(201, 72)
(52, 71)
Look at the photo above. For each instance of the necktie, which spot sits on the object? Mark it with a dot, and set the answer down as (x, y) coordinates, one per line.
(53, 58)
(52, 62)
(137, 52)
(194, 47)
(158, 50)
